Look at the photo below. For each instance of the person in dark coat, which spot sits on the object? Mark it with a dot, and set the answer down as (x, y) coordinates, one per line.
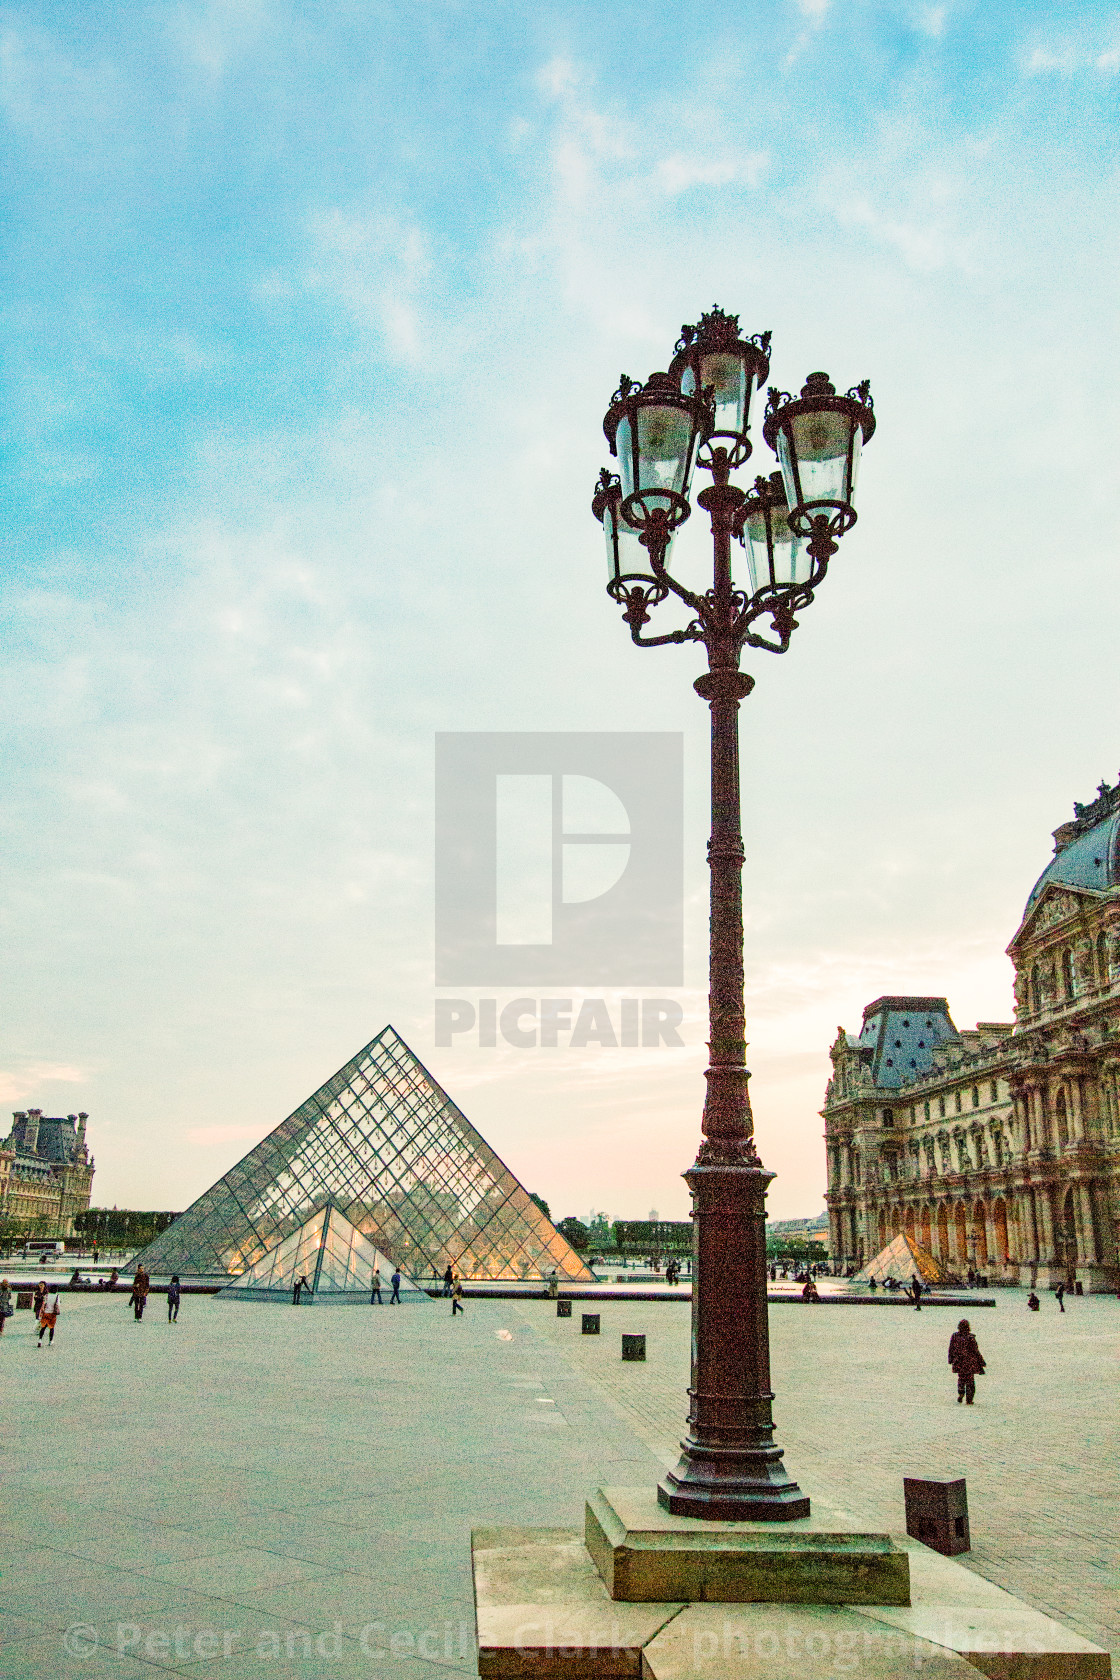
(916, 1292)
(966, 1360)
(395, 1280)
(448, 1279)
(1033, 1301)
(174, 1296)
(1060, 1293)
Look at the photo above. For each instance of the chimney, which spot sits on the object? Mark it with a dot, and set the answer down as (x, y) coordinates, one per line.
(82, 1118)
(31, 1130)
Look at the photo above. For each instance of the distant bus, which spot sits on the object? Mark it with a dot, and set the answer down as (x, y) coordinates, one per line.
(43, 1245)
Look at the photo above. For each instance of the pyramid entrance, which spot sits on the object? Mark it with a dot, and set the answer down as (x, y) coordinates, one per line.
(385, 1145)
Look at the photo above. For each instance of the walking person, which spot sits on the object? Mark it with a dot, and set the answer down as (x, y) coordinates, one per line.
(298, 1288)
(48, 1317)
(38, 1298)
(375, 1287)
(456, 1295)
(448, 1279)
(173, 1294)
(141, 1284)
(966, 1360)
(5, 1302)
(916, 1292)
(1060, 1293)
(395, 1280)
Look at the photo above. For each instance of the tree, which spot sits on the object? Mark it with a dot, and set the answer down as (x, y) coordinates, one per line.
(575, 1234)
(541, 1203)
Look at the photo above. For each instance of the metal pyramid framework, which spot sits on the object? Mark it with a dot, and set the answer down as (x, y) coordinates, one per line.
(332, 1257)
(901, 1258)
(386, 1144)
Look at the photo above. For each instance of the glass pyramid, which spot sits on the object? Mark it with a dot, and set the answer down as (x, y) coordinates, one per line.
(387, 1146)
(330, 1255)
(901, 1258)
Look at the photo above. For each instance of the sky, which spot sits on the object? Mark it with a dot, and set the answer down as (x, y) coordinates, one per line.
(311, 317)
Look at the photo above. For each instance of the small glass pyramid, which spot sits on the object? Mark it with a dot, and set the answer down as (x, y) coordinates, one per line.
(901, 1259)
(333, 1259)
(387, 1146)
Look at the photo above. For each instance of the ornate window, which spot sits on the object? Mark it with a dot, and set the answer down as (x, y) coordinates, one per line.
(976, 1096)
(1069, 990)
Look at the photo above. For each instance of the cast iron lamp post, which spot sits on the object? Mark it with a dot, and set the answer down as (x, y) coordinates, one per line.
(698, 414)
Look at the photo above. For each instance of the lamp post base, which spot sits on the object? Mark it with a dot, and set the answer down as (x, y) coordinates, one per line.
(727, 1486)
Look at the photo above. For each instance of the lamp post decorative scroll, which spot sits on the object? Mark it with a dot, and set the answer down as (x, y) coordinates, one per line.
(789, 523)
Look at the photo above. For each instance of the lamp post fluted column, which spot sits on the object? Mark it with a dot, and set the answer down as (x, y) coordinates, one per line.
(697, 414)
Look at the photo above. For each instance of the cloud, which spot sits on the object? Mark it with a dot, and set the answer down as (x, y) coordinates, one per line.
(378, 266)
(1070, 59)
(676, 174)
(17, 1087)
(930, 20)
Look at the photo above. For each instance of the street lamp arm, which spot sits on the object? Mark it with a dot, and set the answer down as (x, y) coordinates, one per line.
(693, 632)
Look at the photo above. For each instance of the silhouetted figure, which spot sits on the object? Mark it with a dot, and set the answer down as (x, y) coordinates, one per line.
(1033, 1302)
(966, 1360)
(1060, 1293)
(174, 1293)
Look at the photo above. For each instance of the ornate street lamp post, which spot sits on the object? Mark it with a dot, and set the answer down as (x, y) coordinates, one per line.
(698, 414)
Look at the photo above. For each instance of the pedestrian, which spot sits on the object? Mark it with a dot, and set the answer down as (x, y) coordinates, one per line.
(173, 1294)
(395, 1280)
(38, 1298)
(375, 1287)
(141, 1284)
(1033, 1301)
(966, 1360)
(810, 1291)
(448, 1279)
(916, 1292)
(48, 1317)
(95, 1256)
(5, 1302)
(457, 1295)
(1060, 1293)
(872, 1285)
(300, 1285)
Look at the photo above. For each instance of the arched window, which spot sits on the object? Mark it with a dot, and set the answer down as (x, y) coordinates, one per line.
(976, 1096)
(941, 1107)
(925, 1108)
(1067, 974)
(1036, 991)
(957, 1100)
(1060, 1118)
(1102, 959)
(995, 1090)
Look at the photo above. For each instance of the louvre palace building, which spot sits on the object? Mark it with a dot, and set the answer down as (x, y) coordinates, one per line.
(46, 1172)
(997, 1149)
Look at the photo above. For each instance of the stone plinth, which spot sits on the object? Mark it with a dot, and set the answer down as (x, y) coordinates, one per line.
(646, 1554)
(544, 1614)
(542, 1609)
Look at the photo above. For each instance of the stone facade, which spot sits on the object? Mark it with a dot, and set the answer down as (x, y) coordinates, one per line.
(46, 1172)
(998, 1149)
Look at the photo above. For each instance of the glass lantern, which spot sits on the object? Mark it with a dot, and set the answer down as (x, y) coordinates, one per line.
(817, 438)
(713, 360)
(777, 558)
(654, 430)
(628, 561)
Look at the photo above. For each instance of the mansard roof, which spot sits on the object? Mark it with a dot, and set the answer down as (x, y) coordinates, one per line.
(1086, 850)
(900, 1035)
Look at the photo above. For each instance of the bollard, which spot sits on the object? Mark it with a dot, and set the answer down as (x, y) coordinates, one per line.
(937, 1514)
(591, 1324)
(563, 1309)
(634, 1347)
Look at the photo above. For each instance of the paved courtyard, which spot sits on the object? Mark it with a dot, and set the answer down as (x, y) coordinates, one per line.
(260, 1492)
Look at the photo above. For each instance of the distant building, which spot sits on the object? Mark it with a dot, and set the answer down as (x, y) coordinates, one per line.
(997, 1148)
(46, 1172)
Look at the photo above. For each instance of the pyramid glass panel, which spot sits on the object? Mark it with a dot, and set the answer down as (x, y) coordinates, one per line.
(385, 1145)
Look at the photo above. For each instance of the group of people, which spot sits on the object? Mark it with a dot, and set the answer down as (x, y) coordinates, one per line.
(394, 1283)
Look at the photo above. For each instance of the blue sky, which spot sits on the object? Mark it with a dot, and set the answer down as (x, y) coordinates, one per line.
(311, 317)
